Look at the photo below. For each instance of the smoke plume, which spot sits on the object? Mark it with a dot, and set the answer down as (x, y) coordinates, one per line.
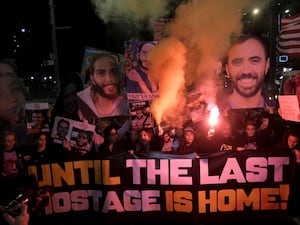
(190, 54)
(131, 14)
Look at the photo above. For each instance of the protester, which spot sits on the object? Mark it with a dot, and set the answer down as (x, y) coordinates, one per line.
(66, 104)
(224, 139)
(293, 207)
(111, 143)
(40, 152)
(21, 219)
(10, 157)
(148, 141)
(14, 94)
(249, 139)
(290, 139)
(189, 142)
(12, 101)
(132, 140)
(292, 86)
(98, 137)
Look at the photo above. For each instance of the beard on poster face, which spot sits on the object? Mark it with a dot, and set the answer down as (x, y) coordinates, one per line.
(247, 85)
(107, 90)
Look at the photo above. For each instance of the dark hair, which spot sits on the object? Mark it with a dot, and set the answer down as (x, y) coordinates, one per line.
(297, 147)
(88, 134)
(250, 122)
(106, 55)
(291, 132)
(243, 38)
(59, 109)
(63, 121)
(107, 130)
(5, 133)
(149, 131)
(37, 135)
(99, 56)
(144, 43)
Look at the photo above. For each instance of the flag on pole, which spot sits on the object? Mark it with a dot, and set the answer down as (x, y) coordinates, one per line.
(289, 36)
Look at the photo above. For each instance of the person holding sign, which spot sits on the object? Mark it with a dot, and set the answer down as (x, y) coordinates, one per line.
(292, 86)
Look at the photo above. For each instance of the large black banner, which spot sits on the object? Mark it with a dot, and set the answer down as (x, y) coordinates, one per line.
(170, 188)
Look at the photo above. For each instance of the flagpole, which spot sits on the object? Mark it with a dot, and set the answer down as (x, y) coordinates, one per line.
(54, 44)
(274, 19)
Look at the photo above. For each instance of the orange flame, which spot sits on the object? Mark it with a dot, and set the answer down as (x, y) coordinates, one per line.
(213, 116)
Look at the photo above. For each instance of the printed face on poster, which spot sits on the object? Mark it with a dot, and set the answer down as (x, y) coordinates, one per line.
(37, 117)
(70, 130)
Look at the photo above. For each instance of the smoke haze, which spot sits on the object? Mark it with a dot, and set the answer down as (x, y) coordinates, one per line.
(190, 54)
(134, 14)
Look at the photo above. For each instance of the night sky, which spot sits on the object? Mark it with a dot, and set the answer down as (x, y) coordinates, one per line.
(78, 27)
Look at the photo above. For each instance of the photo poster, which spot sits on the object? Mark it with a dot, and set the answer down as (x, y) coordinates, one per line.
(87, 57)
(161, 28)
(65, 129)
(37, 117)
(197, 105)
(140, 115)
(137, 87)
(120, 121)
(82, 136)
(289, 107)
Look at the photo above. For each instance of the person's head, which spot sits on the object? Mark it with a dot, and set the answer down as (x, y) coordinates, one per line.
(247, 64)
(37, 118)
(250, 128)
(82, 139)
(41, 140)
(43, 196)
(225, 128)
(12, 92)
(145, 136)
(292, 140)
(111, 134)
(66, 102)
(8, 140)
(189, 135)
(62, 127)
(101, 124)
(133, 135)
(139, 113)
(143, 52)
(166, 137)
(297, 153)
(68, 93)
(105, 75)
